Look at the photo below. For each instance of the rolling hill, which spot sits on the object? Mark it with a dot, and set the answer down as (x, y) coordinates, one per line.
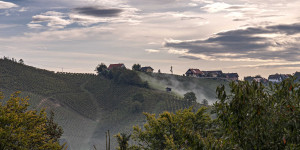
(87, 105)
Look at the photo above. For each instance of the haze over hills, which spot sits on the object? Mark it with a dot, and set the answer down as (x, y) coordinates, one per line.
(87, 105)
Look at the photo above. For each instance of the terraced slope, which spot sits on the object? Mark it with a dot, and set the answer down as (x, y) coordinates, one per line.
(204, 88)
(86, 105)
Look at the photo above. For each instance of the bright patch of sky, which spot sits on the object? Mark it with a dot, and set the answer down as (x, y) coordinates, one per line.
(245, 36)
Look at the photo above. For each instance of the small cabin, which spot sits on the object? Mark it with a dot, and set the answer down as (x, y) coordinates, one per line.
(168, 89)
(147, 69)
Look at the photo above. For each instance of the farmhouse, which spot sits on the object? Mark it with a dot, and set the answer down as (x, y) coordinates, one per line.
(194, 73)
(276, 78)
(217, 73)
(297, 75)
(256, 78)
(116, 66)
(232, 76)
(147, 69)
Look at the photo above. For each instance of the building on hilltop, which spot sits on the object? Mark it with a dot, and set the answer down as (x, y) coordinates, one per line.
(276, 78)
(256, 78)
(168, 89)
(232, 76)
(215, 74)
(116, 66)
(297, 75)
(194, 73)
(147, 69)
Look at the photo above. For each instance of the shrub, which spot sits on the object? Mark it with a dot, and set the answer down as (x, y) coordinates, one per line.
(23, 129)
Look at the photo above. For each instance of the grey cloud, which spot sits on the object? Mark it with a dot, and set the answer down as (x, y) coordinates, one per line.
(240, 19)
(190, 18)
(98, 12)
(273, 66)
(247, 43)
(190, 57)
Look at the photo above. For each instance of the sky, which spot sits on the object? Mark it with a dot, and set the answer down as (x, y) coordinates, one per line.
(250, 37)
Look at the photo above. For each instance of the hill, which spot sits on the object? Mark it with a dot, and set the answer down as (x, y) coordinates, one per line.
(204, 88)
(87, 105)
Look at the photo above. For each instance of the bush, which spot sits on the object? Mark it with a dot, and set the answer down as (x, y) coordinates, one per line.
(257, 117)
(23, 129)
(190, 97)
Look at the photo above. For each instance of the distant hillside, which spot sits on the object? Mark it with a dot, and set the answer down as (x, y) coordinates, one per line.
(204, 88)
(87, 105)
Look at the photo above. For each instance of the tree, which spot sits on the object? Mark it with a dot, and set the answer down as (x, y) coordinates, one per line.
(205, 102)
(182, 130)
(122, 140)
(23, 129)
(136, 67)
(190, 97)
(253, 116)
(101, 69)
(21, 61)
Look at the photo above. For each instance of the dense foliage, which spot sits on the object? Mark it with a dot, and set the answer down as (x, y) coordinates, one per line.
(257, 117)
(252, 116)
(136, 67)
(190, 97)
(182, 130)
(23, 129)
(122, 75)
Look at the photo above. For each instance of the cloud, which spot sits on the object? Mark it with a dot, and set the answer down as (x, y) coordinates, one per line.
(3, 26)
(98, 11)
(7, 5)
(190, 57)
(216, 7)
(276, 42)
(152, 50)
(295, 65)
(90, 15)
(53, 18)
(23, 9)
(34, 26)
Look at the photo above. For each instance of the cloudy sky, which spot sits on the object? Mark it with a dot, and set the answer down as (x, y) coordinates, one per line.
(245, 36)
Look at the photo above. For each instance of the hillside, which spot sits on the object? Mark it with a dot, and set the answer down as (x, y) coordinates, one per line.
(87, 105)
(204, 88)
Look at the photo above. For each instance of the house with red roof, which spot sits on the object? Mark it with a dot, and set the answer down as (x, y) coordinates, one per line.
(116, 66)
(194, 73)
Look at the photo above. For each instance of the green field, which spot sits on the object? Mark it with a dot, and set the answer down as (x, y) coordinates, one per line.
(87, 105)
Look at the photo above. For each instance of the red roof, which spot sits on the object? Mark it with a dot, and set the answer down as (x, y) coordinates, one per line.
(116, 66)
(196, 71)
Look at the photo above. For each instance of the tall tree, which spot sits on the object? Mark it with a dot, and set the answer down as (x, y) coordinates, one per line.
(101, 68)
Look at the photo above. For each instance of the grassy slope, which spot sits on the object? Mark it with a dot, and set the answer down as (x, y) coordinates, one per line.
(85, 105)
(204, 88)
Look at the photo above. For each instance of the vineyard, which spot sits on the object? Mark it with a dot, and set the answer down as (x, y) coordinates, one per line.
(87, 105)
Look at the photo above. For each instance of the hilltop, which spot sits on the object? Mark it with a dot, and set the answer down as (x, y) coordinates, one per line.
(86, 105)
